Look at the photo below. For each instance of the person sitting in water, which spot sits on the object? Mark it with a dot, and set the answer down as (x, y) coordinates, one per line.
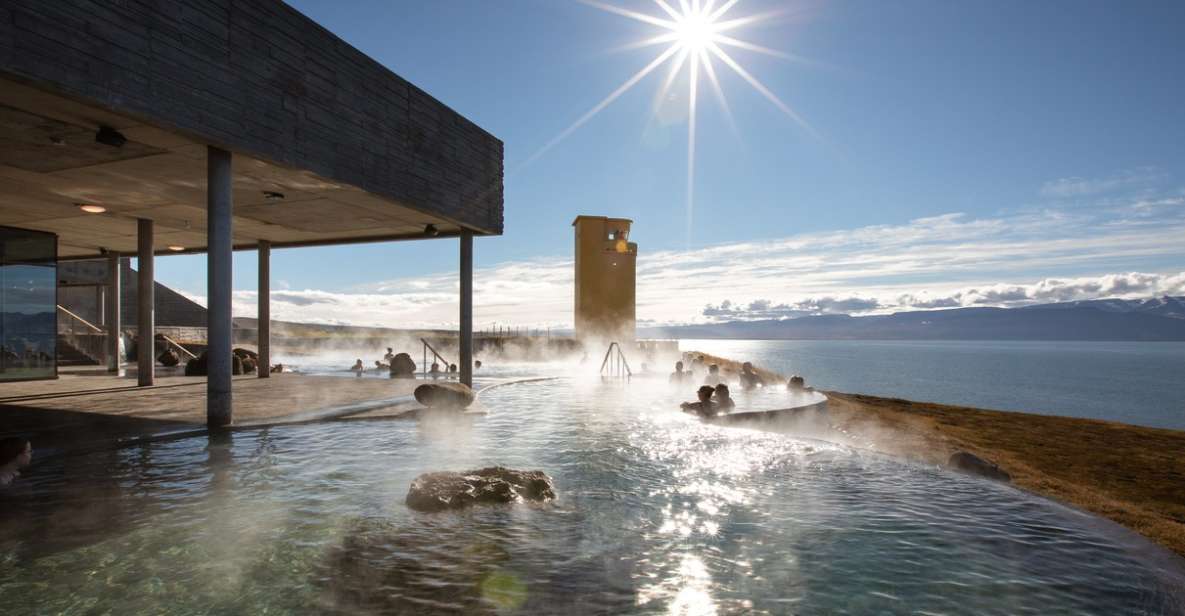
(476, 364)
(713, 377)
(434, 372)
(750, 379)
(678, 375)
(452, 368)
(15, 453)
(389, 356)
(276, 369)
(379, 366)
(358, 368)
(704, 407)
(796, 383)
(723, 400)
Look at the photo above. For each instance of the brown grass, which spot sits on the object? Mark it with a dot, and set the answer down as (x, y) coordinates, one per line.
(1132, 475)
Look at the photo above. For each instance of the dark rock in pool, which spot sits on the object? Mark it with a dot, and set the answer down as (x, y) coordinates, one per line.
(403, 366)
(444, 395)
(168, 359)
(974, 465)
(198, 366)
(488, 486)
(245, 353)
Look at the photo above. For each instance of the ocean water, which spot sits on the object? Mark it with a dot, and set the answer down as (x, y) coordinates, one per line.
(1140, 383)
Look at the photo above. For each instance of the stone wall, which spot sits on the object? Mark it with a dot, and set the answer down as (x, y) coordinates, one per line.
(256, 76)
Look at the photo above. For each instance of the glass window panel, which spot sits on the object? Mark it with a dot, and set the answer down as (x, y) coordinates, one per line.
(28, 304)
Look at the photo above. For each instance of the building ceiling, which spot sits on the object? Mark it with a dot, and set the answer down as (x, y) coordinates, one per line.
(51, 163)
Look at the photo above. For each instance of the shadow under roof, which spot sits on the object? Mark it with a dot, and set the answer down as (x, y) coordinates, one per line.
(357, 153)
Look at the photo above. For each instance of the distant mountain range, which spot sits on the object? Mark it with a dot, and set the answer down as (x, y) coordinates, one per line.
(1156, 319)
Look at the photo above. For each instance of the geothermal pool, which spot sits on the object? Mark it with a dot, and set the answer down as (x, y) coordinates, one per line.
(657, 513)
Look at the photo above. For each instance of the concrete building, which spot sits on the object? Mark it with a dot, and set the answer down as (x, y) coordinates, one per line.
(209, 126)
(605, 277)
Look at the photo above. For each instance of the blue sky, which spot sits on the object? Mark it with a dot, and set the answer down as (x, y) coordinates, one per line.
(1050, 132)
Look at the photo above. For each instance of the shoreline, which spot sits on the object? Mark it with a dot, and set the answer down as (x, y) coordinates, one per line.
(1131, 475)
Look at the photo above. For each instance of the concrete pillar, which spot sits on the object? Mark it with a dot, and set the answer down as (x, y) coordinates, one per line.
(111, 308)
(218, 287)
(467, 307)
(145, 305)
(264, 322)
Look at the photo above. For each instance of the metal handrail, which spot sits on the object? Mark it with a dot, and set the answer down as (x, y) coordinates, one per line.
(173, 344)
(620, 366)
(90, 341)
(436, 356)
(94, 329)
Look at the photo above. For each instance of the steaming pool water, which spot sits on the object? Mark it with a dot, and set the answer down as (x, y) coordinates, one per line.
(657, 513)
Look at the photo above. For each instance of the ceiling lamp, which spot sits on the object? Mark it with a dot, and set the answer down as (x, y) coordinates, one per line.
(272, 195)
(91, 208)
(176, 248)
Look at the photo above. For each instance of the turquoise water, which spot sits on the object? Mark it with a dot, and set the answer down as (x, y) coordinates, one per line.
(656, 513)
(1140, 383)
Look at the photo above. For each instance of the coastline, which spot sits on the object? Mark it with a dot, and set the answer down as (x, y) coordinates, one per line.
(1131, 475)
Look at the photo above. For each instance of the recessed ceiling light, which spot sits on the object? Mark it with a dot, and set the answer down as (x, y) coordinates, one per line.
(176, 248)
(91, 208)
(272, 195)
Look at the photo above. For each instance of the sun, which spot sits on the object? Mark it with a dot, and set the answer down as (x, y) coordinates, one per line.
(695, 36)
(695, 32)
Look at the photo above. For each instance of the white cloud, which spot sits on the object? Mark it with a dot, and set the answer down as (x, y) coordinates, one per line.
(1065, 188)
(935, 262)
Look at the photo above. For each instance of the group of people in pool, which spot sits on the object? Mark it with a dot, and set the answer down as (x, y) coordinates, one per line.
(402, 365)
(713, 396)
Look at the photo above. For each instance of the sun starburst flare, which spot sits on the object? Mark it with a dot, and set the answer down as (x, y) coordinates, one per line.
(695, 37)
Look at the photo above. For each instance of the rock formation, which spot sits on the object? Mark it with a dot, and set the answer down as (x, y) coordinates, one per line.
(198, 366)
(168, 358)
(402, 366)
(444, 395)
(974, 465)
(488, 486)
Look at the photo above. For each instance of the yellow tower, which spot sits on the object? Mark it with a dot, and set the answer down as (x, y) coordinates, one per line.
(605, 263)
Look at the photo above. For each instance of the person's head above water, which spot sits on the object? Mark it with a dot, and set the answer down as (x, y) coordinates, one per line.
(705, 393)
(678, 366)
(721, 391)
(713, 369)
(15, 452)
(796, 382)
(747, 367)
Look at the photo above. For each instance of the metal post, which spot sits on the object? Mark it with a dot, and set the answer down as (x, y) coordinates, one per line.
(467, 307)
(218, 287)
(264, 324)
(145, 323)
(111, 307)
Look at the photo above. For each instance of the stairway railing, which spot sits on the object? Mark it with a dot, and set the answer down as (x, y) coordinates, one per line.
(176, 347)
(86, 337)
(616, 363)
(437, 357)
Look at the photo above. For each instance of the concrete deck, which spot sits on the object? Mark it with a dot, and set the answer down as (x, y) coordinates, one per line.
(79, 410)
